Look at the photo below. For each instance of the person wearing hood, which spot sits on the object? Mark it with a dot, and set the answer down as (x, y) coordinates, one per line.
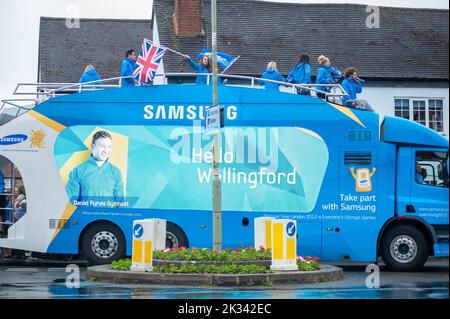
(89, 75)
(271, 73)
(323, 75)
(204, 66)
(127, 69)
(301, 74)
(352, 85)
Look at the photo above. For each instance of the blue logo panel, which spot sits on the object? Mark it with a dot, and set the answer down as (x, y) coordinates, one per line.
(13, 139)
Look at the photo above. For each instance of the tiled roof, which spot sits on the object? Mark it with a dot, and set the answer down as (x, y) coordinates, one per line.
(65, 52)
(410, 43)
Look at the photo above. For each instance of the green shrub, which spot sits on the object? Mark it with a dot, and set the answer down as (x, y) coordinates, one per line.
(227, 255)
(122, 264)
(205, 254)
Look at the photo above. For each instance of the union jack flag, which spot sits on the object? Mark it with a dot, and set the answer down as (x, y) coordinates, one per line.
(148, 61)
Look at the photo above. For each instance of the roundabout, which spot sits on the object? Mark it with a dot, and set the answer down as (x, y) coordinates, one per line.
(105, 273)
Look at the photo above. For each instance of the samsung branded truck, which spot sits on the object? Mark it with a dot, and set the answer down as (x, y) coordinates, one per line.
(359, 185)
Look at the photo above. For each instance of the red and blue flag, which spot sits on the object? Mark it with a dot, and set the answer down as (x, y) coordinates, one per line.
(148, 61)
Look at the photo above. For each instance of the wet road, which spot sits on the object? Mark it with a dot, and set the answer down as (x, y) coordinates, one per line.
(28, 282)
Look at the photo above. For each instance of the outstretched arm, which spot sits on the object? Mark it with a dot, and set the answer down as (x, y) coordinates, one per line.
(196, 66)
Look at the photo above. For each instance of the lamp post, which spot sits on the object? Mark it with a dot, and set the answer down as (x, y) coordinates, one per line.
(216, 185)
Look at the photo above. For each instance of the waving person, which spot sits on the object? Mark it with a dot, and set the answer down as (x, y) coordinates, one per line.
(204, 66)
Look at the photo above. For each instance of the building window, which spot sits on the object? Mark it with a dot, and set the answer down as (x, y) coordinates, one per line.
(419, 112)
(428, 112)
(436, 115)
(402, 108)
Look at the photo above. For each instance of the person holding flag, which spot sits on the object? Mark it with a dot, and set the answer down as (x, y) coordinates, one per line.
(146, 65)
(127, 69)
(204, 66)
(148, 61)
(224, 61)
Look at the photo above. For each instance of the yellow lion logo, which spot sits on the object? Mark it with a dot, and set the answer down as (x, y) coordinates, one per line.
(37, 139)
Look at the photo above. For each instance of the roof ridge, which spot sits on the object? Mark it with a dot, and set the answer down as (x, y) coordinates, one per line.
(314, 4)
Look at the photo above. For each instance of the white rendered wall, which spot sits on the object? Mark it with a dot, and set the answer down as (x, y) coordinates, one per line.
(382, 99)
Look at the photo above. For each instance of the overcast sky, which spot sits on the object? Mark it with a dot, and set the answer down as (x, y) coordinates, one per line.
(19, 27)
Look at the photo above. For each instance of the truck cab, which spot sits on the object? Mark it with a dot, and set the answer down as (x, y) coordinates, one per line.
(420, 225)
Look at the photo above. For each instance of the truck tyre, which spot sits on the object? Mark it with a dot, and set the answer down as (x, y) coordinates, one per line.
(175, 236)
(103, 243)
(404, 248)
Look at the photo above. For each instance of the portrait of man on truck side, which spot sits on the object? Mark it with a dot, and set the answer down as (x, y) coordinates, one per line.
(97, 179)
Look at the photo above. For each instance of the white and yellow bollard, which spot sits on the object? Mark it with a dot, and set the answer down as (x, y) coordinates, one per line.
(284, 244)
(148, 235)
(263, 232)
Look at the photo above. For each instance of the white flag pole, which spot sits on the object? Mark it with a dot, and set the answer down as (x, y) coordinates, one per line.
(169, 49)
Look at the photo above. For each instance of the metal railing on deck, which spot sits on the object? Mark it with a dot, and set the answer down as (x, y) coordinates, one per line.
(44, 91)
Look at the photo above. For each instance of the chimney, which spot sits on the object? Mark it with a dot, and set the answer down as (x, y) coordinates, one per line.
(187, 20)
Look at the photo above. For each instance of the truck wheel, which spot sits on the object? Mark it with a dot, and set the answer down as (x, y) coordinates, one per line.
(404, 248)
(175, 236)
(103, 243)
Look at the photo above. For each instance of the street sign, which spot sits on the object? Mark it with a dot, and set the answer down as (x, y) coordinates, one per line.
(284, 245)
(148, 235)
(138, 230)
(214, 119)
(290, 229)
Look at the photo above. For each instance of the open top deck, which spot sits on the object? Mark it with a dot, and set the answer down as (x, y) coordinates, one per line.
(33, 94)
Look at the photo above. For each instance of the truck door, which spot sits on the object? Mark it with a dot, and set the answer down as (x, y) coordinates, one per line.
(421, 195)
(422, 184)
(429, 185)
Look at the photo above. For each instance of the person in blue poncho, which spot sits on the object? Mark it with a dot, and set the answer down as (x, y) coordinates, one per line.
(89, 75)
(204, 66)
(301, 74)
(323, 75)
(271, 73)
(127, 69)
(352, 85)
